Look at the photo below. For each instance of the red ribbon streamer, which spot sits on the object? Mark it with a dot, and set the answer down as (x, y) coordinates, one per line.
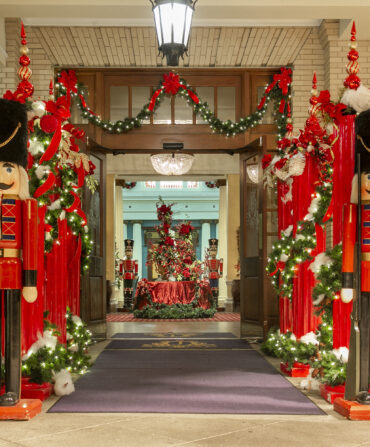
(80, 177)
(282, 106)
(76, 203)
(83, 102)
(329, 211)
(279, 266)
(53, 146)
(48, 184)
(83, 216)
(193, 96)
(262, 103)
(154, 98)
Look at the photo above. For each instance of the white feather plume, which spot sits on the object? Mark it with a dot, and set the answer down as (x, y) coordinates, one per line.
(283, 257)
(36, 147)
(319, 299)
(46, 339)
(63, 383)
(55, 205)
(288, 231)
(320, 260)
(341, 354)
(41, 171)
(357, 99)
(308, 338)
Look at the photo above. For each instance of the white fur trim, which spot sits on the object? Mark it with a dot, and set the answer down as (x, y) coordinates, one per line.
(308, 338)
(357, 99)
(341, 354)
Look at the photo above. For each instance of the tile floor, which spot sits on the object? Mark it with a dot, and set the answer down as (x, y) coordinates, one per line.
(170, 430)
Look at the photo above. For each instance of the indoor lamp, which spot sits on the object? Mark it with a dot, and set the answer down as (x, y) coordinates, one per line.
(172, 164)
(172, 22)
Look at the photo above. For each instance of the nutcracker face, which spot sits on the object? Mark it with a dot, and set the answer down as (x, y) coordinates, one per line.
(365, 186)
(128, 253)
(213, 253)
(9, 178)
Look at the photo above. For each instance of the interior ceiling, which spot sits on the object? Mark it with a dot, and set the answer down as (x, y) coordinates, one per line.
(137, 46)
(207, 12)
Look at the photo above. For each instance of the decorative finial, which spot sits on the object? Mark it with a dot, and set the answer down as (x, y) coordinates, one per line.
(352, 81)
(51, 90)
(314, 93)
(24, 72)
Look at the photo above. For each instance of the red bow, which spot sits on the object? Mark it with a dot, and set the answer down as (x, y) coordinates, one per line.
(59, 108)
(171, 83)
(69, 80)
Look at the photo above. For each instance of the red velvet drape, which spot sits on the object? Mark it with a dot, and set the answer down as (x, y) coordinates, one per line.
(342, 180)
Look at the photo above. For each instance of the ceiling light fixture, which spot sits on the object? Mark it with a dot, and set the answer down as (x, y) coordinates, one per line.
(173, 22)
(172, 164)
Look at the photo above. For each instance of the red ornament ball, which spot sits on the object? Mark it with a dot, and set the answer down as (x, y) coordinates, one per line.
(49, 123)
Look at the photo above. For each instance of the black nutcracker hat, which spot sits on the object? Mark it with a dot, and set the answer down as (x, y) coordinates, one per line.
(362, 146)
(13, 132)
(129, 244)
(213, 243)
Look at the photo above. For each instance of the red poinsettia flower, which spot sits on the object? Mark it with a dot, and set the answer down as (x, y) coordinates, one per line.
(169, 241)
(324, 97)
(186, 273)
(166, 227)
(185, 229)
(164, 209)
(59, 108)
(92, 167)
(188, 260)
(281, 163)
(266, 160)
(283, 143)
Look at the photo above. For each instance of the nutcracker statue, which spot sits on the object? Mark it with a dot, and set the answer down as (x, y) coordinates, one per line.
(128, 269)
(18, 241)
(215, 268)
(356, 266)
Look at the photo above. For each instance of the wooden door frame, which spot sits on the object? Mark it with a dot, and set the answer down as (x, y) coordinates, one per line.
(265, 318)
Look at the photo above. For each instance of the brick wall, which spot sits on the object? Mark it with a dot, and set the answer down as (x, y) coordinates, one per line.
(322, 51)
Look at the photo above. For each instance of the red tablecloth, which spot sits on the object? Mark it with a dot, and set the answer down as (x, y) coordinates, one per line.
(173, 292)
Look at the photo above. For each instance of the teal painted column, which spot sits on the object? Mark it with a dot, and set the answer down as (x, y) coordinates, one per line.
(138, 246)
(206, 235)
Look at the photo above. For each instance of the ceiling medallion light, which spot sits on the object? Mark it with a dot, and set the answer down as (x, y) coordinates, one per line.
(172, 164)
(173, 22)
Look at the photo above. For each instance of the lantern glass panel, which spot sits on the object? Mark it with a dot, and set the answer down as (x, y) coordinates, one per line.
(158, 27)
(166, 21)
(189, 15)
(178, 18)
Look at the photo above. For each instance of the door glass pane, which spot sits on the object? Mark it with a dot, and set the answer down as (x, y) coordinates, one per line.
(271, 198)
(272, 221)
(206, 94)
(140, 96)
(93, 217)
(226, 103)
(269, 116)
(183, 111)
(76, 117)
(118, 102)
(162, 114)
(252, 221)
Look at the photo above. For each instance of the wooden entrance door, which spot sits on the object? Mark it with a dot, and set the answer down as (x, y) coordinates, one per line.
(258, 301)
(94, 291)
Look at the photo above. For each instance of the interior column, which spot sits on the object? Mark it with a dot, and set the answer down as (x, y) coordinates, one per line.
(222, 243)
(138, 246)
(206, 235)
(119, 245)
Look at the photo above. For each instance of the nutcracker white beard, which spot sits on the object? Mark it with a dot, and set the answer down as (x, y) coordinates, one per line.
(24, 192)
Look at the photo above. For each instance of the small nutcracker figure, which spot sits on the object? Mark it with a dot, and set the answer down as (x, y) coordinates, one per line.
(128, 270)
(18, 240)
(215, 268)
(356, 265)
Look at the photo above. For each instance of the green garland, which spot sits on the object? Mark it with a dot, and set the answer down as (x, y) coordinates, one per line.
(175, 311)
(286, 347)
(41, 365)
(228, 127)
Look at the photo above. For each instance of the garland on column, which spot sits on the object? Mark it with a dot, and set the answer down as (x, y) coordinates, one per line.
(47, 356)
(277, 91)
(317, 140)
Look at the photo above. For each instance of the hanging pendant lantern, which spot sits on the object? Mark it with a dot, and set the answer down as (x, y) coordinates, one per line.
(173, 22)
